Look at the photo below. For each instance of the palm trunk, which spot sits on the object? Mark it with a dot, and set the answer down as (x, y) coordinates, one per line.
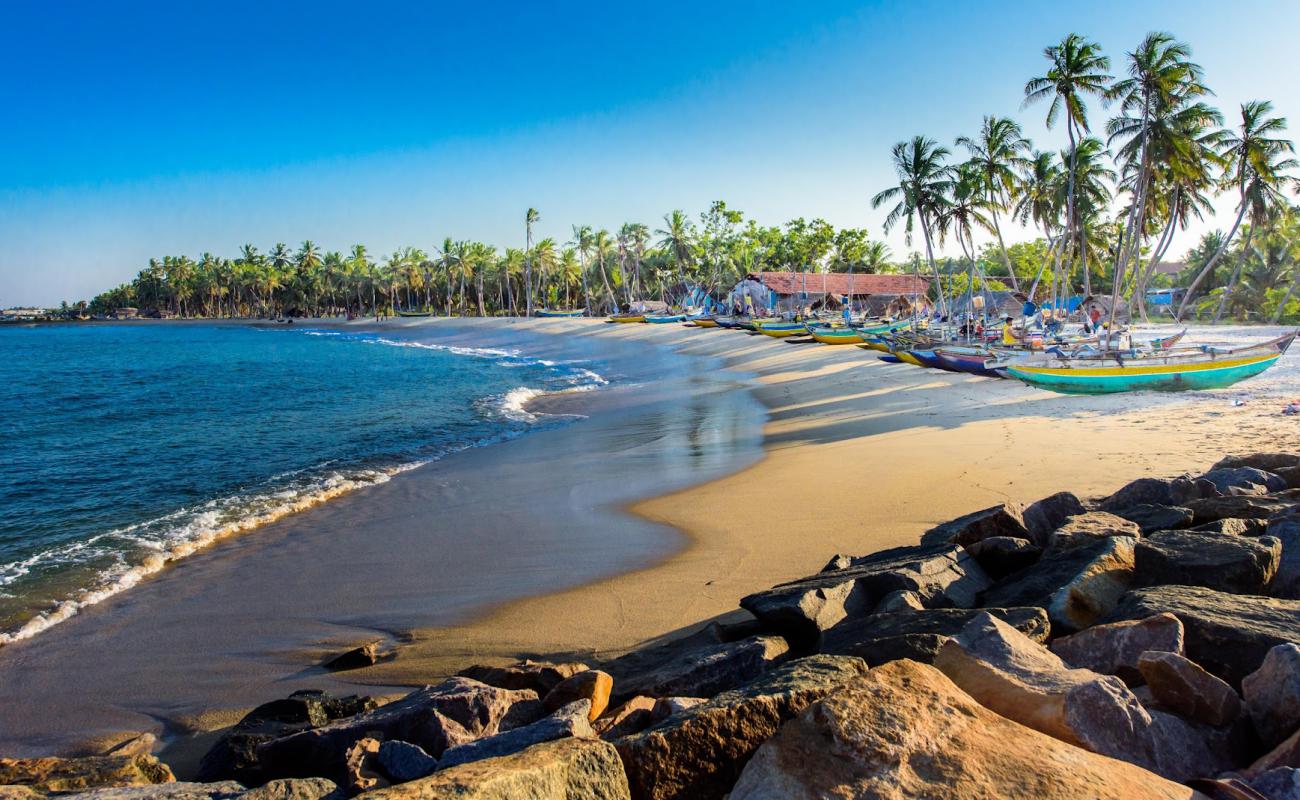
(1006, 259)
(1214, 260)
(1236, 274)
(1281, 308)
(929, 254)
(1140, 289)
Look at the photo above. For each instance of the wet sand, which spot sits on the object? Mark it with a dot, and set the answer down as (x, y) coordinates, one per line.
(859, 455)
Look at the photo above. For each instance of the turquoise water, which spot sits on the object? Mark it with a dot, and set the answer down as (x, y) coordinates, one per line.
(129, 446)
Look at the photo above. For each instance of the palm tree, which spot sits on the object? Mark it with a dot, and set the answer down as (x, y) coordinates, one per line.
(1039, 203)
(582, 241)
(603, 248)
(999, 154)
(1078, 70)
(544, 256)
(924, 182)
(1256, 163)
(678, 236)
(529, 218)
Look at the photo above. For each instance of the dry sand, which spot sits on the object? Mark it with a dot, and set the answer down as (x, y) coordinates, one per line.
(860, 455)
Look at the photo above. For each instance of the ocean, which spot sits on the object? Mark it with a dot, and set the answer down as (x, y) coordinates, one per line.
(129, 446)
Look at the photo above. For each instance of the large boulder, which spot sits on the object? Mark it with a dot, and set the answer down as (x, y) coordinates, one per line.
(594, 686)
(1227, 634)
(1114, 649)
(1236, 564)
(1264, 461)
(1150, 518)
(999, 556)
(1239, 507)
(565, 769)
(1247, 479)
(219, 790)
(571, 720)
(1077, 586)
(905, 730)
(1088, 528)
(1183, 687)
(234, 755)
(694, 666)
(918, 635)
(540, 676)
(1231, 526)
(403, 761)
(1046, 515)
(1282, 783)
(942, 575)
(76, 774)
(293, 789)
(1005, 519)
(1285, 527)
(1272, 694)
(1153, 491)
(1020, 679)
(698, 753)
(434, 718)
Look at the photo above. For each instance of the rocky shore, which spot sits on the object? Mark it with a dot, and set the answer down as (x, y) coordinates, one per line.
(1144, 644)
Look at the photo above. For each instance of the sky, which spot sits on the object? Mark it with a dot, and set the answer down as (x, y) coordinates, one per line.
(138, 129)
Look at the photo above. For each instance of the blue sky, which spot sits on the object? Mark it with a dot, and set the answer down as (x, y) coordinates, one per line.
(137, 129)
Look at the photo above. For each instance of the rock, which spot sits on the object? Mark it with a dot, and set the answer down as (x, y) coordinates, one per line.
(1282, 783)
(1046, 515)
(435, 717)
(694, 665)
(1227, 634)
(403, 761)
(539, 676)
(942, 575)
(906, 731)
(1077, 586)
(1236, 564)
(1090, 527)
(1238, 507)
(592, 685)
(1152, 491)
(566, 769)
(1272, 694)
(699, 752)
(1000, 556)
(234, 756)
(918, 635)
(1291, 475)
(1285, 527)
(1265, 461)
(1185, 750)
(1254, 481)
(76, 774)
(1151, 518)
(665, 707)
(1230, 526)
(292, 789)
(220, 790)
(142, 744)
(1020, 679)
(630, 717)
(1183, 687)
(361, 767)
(364, 656)
(1005, 519)
(902, 600)
(19, 793)
(1114, 649)
(1286, 754)
(838, 561)
(571, 720)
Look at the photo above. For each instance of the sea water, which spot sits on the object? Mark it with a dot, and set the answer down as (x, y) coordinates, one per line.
(128, 446)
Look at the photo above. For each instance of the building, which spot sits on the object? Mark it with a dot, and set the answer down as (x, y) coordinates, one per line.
(127, 313)
(1170, 267)
(23, 313)
(790, 291)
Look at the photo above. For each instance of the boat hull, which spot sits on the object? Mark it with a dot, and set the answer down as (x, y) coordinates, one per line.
(1154, 378)
(624, 318)
(546, 313)
(836, 335)
(780, 330)
(663, 320)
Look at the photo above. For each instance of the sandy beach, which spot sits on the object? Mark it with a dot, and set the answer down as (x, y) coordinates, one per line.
(656, 512)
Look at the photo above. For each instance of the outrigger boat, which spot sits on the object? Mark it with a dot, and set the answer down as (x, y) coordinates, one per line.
(627, 318)
(779, 329)
(703, 322)
(1170, 370)
(415, 313)
(828, 335)
(546, 312)
(663, 319)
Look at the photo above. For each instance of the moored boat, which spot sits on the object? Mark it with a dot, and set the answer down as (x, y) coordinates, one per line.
(779, 329)
(835, 335)
(547, 312)
(663, 319)
(627, 318)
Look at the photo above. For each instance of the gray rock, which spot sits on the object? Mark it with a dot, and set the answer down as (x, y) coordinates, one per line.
(1000, 556)
(293, 789)
(1046, 515)
(1090, 527)
(693, 666)
(900, 600)
(1264, 461)
(219, 790)
(1236, 564)
(942, 575)
(1227, 634)
(403, 761)
(1230, 526)
(539, 676)
(1006, 519)
(699, 752)
(1272, 694)
(1285, 527)
(1151, 518)
(918, 635)
(1282, 783)
(1077, 586)
(1153, 491)
(1256, 481)
(364, 656)
(1114, 649)
(1240, 507)
(1183, 687)
(568, 721)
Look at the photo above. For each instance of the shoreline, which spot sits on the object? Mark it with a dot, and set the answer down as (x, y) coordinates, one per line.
(852, 453)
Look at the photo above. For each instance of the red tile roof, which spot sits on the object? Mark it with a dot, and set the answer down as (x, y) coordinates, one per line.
(791, 283)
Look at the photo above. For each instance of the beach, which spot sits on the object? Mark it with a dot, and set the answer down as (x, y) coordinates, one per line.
(731, 463)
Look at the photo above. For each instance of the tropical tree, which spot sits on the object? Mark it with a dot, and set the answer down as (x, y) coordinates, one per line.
(924, 181)
(530, 219)
(999, 154)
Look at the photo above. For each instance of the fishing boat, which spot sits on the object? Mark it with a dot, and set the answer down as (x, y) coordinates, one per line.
(546, 312)
(705, 322)
(1173, 370)
(973, 360)
(662, 319)
(415, 313)
(780, 329)
(827, 335)
(627, 318)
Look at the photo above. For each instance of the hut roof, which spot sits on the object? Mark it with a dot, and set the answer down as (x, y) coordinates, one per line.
(838, 283)
(1170, 267)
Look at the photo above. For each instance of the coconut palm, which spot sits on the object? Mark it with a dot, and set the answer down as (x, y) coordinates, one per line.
(582, 242)
(1256, 163)
(529, 219)
(678, 239)
(924, 182)
(1038, 203)
(999, 153)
